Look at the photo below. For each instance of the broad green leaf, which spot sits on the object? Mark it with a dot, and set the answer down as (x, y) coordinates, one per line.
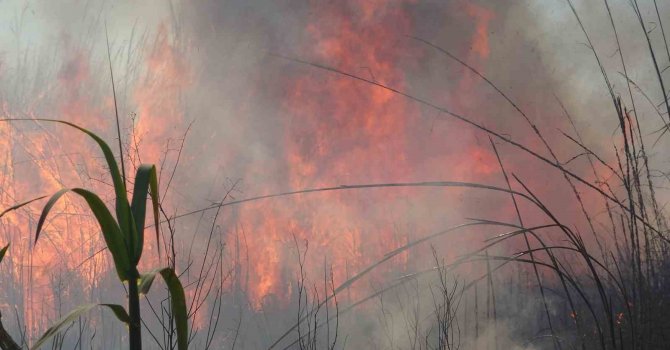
(146, 182)
(123, 214)
(3, 251)
(65, 321)
(177, 297)
(110, 229)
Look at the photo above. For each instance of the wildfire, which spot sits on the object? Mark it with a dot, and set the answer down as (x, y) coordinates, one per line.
(341, 131)
(158, 96)
(40, 159)
(337, 131)
(360, 139)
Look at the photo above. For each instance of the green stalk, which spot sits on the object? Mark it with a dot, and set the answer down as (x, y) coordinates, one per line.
(135, 326)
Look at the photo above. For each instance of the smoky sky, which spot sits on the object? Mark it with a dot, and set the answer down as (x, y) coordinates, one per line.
(537, 52)
(258, 112)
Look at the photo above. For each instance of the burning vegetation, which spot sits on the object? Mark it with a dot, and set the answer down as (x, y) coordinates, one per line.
(401, 174)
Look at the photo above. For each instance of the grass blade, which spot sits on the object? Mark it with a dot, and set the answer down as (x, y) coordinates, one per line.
(177, 297)
(3, 251)
(118, 311)
(18, 206)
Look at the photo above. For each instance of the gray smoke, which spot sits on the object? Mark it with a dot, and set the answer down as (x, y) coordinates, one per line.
(242, 117)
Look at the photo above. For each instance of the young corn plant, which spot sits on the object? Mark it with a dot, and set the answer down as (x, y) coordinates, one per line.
(124, 237)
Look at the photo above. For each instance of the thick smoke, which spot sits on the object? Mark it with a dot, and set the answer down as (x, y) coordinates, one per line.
(221, 92)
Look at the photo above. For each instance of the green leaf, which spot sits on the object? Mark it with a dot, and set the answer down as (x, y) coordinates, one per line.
(65, 321)
(177, 298)
(119, 311)
(146, 182)
(123, 213)
(3, 251)
(110, 229)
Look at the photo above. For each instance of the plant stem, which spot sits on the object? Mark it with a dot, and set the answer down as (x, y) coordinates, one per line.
(135, 326)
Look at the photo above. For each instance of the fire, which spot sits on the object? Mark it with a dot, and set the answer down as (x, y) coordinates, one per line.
(336, 131)
(342, 131)
(40, 160)
(158, 95)
(361, 139)
(482, 17)
(368, 135)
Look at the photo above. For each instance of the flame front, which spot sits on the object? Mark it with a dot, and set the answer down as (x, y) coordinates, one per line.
(341, 131)
(330, 130)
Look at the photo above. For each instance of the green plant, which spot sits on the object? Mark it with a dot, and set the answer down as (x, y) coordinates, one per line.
(6, 341)
(124, 237)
